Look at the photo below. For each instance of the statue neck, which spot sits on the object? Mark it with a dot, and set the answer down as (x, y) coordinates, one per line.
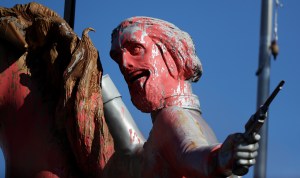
(183, 97)
(184, 101)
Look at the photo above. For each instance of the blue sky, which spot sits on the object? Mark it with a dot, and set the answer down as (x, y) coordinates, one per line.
(226, 35)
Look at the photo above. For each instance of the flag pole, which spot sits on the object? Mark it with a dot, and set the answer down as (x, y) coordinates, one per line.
(263, 87)
(69, 12)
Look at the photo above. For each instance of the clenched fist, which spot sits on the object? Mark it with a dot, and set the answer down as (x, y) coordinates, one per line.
(237, 154)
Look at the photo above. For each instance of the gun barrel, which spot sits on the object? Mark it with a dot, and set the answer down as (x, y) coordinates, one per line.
(274, 93)
(257, 120)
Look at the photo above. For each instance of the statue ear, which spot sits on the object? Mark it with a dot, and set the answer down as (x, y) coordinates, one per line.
(169, 61)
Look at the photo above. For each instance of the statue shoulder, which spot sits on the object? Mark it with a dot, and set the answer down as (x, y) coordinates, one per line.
(180, 120)
(172, 116)
(171, 112)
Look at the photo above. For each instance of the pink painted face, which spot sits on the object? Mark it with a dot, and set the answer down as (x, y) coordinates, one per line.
(144, 69)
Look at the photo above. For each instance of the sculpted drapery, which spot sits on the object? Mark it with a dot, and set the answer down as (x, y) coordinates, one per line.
(52, 121)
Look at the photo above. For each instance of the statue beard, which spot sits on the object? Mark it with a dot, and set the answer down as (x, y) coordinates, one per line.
(149, 97)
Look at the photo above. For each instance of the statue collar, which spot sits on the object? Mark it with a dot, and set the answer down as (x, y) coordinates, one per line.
(190, 102)
(185, 101)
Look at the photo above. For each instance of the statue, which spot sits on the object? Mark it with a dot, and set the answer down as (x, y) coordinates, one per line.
(56, 122)
(51, 111)
(158, 62)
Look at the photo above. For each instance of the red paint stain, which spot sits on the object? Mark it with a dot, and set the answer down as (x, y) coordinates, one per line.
(123, 112)
(130, 133)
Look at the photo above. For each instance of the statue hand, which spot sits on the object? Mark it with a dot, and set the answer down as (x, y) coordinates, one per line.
(238, 153)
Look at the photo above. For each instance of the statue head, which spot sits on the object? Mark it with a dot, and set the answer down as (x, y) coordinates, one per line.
(156, 59)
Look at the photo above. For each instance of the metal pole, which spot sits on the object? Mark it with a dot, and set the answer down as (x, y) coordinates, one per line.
(69, 13)
(263, 74)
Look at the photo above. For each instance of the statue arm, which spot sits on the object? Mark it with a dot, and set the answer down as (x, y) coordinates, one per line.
(128, 140)
(184, 145)
(126, 134)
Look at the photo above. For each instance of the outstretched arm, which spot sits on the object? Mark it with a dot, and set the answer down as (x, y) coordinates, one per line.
(186, 146)
(127, 136)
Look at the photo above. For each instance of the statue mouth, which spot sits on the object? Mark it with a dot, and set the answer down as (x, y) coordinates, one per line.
(139, 75)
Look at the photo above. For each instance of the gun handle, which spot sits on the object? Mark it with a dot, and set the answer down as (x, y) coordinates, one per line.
(240, 170)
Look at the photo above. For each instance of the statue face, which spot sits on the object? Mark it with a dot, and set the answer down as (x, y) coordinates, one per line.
(144, 69)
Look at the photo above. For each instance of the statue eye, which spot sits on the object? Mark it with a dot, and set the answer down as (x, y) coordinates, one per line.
(135, 49)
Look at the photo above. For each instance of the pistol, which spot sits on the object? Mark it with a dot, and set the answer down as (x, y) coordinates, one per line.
(255, 123)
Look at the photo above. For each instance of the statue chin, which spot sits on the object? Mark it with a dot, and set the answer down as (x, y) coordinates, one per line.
(147, 104)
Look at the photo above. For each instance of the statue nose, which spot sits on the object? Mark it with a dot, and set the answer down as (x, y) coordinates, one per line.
(127, 61)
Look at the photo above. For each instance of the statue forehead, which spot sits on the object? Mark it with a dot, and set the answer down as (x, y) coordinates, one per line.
(157, 28)
(136, 32)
